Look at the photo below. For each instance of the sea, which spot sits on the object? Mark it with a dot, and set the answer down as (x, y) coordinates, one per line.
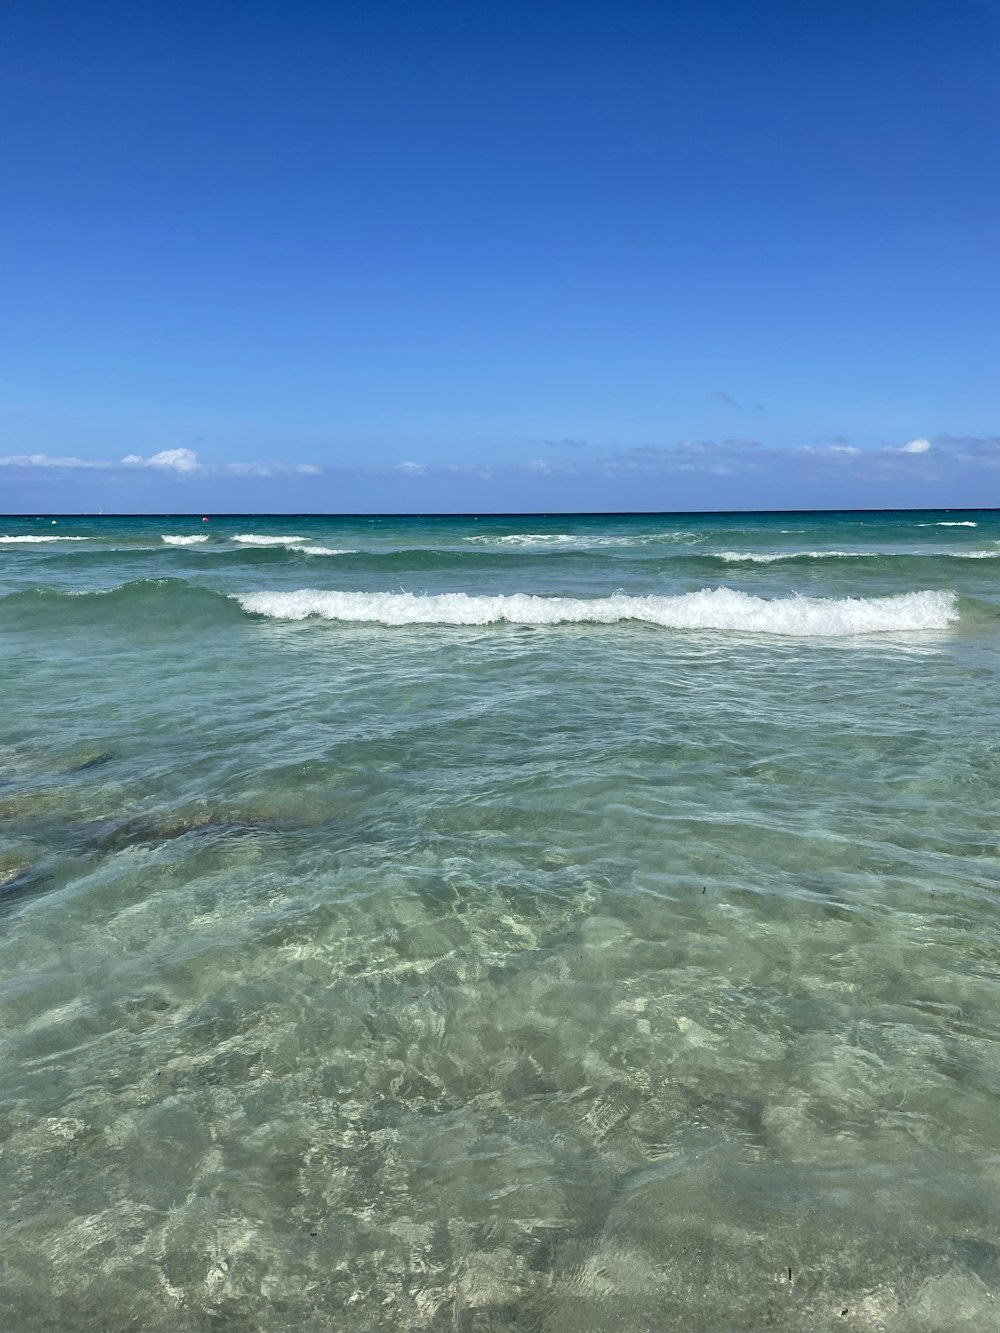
(500, 924)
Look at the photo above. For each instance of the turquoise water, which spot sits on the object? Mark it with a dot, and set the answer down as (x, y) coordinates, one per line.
(541, 923)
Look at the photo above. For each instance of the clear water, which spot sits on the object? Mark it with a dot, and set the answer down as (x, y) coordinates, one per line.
(564, 924)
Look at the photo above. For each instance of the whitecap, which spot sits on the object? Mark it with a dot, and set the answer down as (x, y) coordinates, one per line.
(564, 539)
(524, 539)
(184, 541)
(253, 539)
(300, 544)
(769, 557)
(18, 540)
(712, 609)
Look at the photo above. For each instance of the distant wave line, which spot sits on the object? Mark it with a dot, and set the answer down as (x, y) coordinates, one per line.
(31, 540)
(301, 544)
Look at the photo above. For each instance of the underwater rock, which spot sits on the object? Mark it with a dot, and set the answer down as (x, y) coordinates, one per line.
(142, 829)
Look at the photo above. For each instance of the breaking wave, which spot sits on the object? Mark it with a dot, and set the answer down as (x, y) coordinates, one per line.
(524, 539)
(301, 544)
(711, 609)
(255, 539)
(773, 557)
(34, 539)
(564, 539)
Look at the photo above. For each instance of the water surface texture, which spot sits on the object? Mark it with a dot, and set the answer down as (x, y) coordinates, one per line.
(535, 924)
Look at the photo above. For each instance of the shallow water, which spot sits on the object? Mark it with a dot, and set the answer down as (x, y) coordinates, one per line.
(557, 924)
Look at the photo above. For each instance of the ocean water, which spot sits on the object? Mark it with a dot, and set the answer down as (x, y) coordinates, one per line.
(550, 924)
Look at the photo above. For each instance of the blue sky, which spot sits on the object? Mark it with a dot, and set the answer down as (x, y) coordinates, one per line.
(592, 255)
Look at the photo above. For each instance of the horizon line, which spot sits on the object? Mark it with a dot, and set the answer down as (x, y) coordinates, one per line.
(497, 513)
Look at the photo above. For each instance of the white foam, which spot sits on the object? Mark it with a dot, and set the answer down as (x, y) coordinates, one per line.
(769, 557)
(713, 609)
(253, 539)
(289, 543)
(563, 539)
(184, 541)
(524, 539)
(18, 540)
(953, 523)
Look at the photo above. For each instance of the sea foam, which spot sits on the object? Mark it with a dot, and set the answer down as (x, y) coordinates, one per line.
(563, 539)
(711, 609)
(770, 557)
(184, 541)
(18, 540)
(300, 544)
(253, 539)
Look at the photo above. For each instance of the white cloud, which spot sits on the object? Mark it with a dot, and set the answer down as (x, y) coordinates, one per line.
(412, 469)
(49, 460)
(822, 449)
(916, 447)
(178, 460)
(181, 462)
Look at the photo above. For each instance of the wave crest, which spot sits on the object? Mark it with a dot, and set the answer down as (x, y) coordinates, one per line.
(563, 539)
(711, 609)
(300, 544)
(255, 539)
(32, 539)
(770, 557)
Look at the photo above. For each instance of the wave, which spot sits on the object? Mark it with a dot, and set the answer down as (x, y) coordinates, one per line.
(300, 544)
(950, 523)
(184, 541)
(711, 609)
(126, 561)
(524, 539)
(254, 539)
(166, 606)
(60, 538)
(563, 539)
(169, 605)
(771, 557)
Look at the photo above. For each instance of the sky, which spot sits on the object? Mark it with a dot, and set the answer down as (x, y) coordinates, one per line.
(544, 255)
